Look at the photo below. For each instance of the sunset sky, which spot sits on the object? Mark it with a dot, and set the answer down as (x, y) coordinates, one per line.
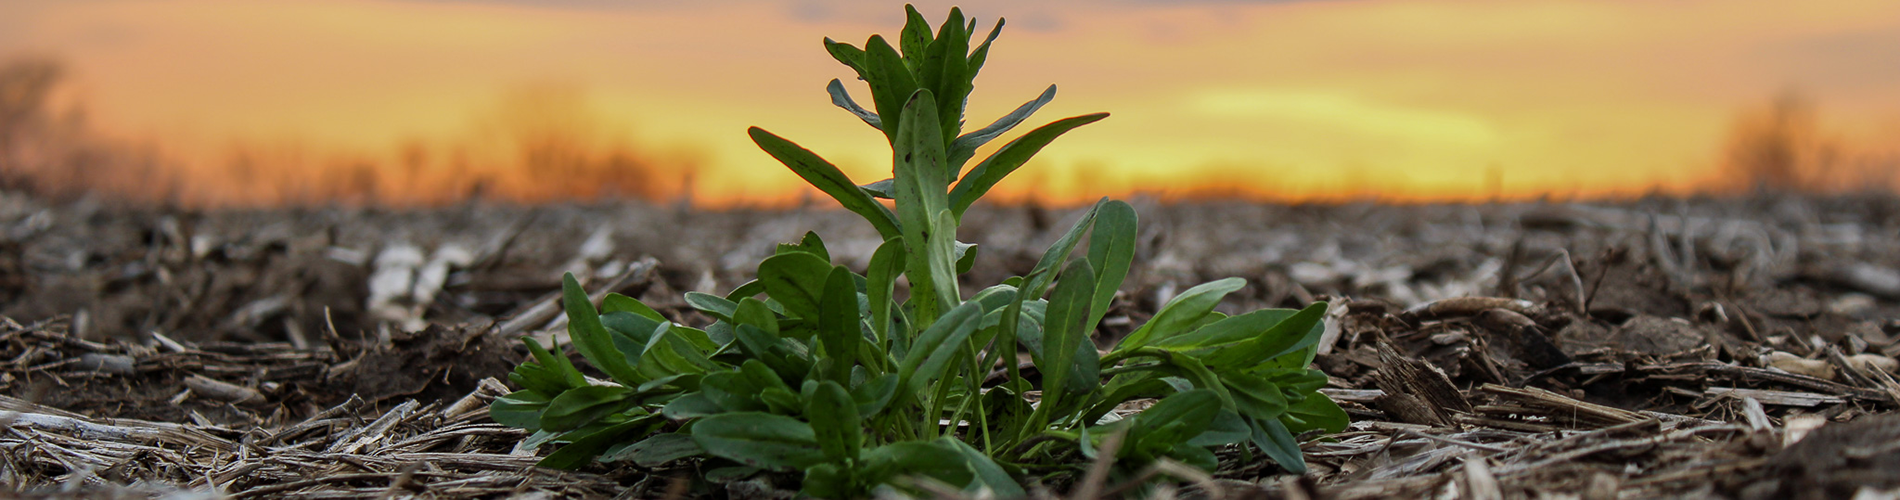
(1400, 100)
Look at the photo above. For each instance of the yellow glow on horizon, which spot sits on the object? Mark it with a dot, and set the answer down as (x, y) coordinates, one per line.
(1398, 100)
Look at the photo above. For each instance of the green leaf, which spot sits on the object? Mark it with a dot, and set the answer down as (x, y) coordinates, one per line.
(915, 38)
(732, 391)
(1199, 457)
(887, 263)
(826, 177)
(920, 179)
(549, 373)
(796, 280)
(1175, 419)
(1297, 332)
(746, 290)
(582, 447)
(1181, 313)
(755, 313)
(835, 421)
(942, 259)
(811, 244)
(966, 257)
(782, 400)
(759, 439)
(987, 472)
(885, 189)
(1012, 156)
(519, 409)
(1254, 396)
(620, 303)
(827, 481)
(590, 337)
(842, 98)
(782, 355)
(1316, 412)
(875, 394)
(581, 406)
(634, 327)
(1227, 428)
(1057, 254)
(1112, 250)
(892, 83)
(655, 450)
(964, 147)
(840, 327)
(946, 74)
(847, 54)
(1272, 438)
(1062, 331)
(1226, 331)
(1192, 369)
(713, 305)
(937, 345)
(691, 405)
(982, 52)
(933, 459)
(668, 353)
(1123, 387)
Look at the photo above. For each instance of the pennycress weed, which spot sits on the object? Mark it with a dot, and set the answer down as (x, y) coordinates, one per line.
(818, 369)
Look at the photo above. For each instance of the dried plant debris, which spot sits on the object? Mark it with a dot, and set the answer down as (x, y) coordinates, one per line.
(1653, 349)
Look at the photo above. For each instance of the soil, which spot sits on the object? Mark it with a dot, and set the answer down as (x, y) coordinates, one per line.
(1610, 350)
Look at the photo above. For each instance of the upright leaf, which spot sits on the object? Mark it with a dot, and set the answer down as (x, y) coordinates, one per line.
(590, 337)
(1039, 278)
(892, 83)
(796, 280)
(915, 39)
(917, 160)
(826, 177)
(1062, 330)
(982, 52)
(835, 421)
(887, 263)
(937, 345)
(838, 324)
(755, 313)
(1112, 251)
(947, 77)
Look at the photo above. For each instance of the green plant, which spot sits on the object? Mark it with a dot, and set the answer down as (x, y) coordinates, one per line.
(814, 367)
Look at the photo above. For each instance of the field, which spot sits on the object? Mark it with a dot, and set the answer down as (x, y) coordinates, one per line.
(1722, 348)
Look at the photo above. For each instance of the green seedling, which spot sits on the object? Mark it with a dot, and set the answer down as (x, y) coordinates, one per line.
(824, 371)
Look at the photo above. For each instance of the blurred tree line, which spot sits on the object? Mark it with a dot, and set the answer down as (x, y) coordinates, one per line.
(1782, 148)
(539, 143)
(52, 152)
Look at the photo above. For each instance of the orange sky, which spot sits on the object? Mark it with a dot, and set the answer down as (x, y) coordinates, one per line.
(1402, 100)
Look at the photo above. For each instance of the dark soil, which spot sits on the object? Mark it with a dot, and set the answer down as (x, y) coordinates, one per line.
(255, 322)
